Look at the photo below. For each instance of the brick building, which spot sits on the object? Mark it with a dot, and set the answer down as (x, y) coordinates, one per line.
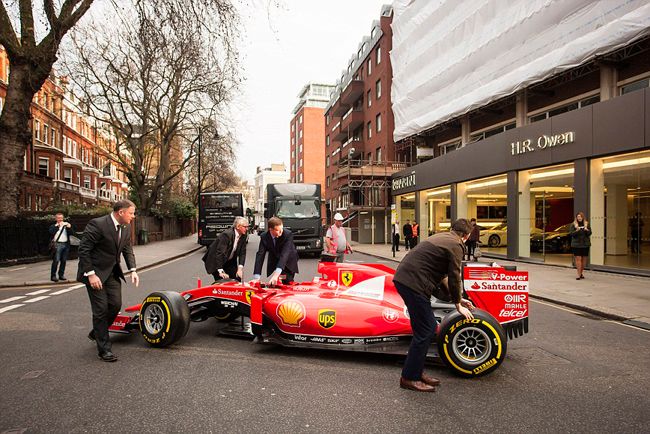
(359, 147)
(307, 135)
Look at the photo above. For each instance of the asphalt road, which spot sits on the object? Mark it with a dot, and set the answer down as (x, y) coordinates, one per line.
(571, 373)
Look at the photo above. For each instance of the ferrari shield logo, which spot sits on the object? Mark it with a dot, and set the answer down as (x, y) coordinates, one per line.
(326, 318)
(248, 296)
(346, 278)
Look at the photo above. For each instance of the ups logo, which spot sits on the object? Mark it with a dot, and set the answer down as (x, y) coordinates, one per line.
(326, 318)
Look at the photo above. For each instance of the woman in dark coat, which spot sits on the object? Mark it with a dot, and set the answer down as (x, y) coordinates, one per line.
(580, 242)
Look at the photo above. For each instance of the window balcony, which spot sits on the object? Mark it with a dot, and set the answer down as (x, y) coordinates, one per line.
(369, 169)
(88, 192)
(65, 185)
(352, 92)
(352, 120)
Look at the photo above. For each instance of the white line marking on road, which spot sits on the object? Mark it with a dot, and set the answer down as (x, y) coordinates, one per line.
(63, 291)
(33, 300)
(9, 300)
(40, 291)
(354, 262)
(16, 269)
(13, 306)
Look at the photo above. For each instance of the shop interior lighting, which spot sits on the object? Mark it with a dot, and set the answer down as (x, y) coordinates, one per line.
(487, 183)
(437, 192)
(625, 163)
(488, 196)
(551, 173)
(552, 189)
(409, 197)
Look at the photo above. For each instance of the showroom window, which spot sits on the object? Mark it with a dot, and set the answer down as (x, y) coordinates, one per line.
(546, 213)
(486, 200)
(619, 211)
(435, 205)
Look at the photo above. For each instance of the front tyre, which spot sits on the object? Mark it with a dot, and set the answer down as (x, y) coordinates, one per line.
(471, 347)
(164, 318)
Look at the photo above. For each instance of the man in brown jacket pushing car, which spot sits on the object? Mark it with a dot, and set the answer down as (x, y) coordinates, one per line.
(419, 273)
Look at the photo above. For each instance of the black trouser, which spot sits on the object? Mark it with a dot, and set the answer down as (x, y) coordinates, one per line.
(471, 247)
(407, 241)
(289, 277)
(423, 324)
(105, 304)
(396, 242)
(414, 241)
(230, 268)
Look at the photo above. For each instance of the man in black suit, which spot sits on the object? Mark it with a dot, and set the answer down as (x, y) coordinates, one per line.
(283, 256)
(407, 230)
(104, 240)
(226, 255)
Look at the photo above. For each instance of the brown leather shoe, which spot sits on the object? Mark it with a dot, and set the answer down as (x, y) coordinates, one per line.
(418, 386)
(430, 380)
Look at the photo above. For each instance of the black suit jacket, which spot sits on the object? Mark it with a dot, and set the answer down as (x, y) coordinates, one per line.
(100, 250)
(283, 255)
(219, 251)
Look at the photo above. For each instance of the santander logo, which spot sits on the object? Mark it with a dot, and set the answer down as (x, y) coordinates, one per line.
(476, 286)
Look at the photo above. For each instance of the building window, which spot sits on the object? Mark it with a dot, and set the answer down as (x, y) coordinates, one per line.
(300, 134)
(43, 166)
(327, 119)
(57, 169)
(369, 66)
(37, 129)
(641, 84)
(327, 161)
(300, 148)
(46, 133)
(87, 181)
(300, 119)
(378, 155)
(369, 98)
(293, 155)
(300, 177)
(378, 89)
(327, 181)
(446, 148)
(293, 140)
(300, 164)
(378, 54)
(53, 137)
(369, 129)
(327, 140)
(67, 175)
(565, 108)
(292, 127)
(378, 122)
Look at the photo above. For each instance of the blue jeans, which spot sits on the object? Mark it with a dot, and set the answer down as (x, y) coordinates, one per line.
(60, 257)
(423, 324)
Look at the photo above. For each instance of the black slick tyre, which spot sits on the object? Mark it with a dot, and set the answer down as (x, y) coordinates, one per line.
(471, 348)
(164, 318)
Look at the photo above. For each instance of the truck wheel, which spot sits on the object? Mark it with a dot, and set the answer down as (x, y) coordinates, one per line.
(471, 348)
(164, 318)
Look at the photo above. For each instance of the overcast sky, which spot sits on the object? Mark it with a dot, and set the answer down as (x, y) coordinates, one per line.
(283, 49)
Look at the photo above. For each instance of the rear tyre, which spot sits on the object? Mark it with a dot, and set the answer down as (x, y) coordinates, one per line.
(164, 318)
(471, 348)
(494, 241)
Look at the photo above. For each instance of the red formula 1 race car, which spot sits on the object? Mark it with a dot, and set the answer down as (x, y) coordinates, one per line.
(348, 307)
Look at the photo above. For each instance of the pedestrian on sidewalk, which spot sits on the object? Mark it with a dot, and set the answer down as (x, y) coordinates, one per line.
(580, 242)
(226, 255)
(396, 237)
(105, 239)
(61, 231)
(335, 241)
(415, 228)
(421, 271)
(472, 241)
(283, 256)
(636, 232)
(407, 231)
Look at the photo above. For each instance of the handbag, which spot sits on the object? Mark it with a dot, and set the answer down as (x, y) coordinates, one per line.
(52, 245)
(477, 252)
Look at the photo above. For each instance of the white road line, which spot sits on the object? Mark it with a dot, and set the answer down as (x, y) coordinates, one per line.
(13, 306)
(40, 291)
(9, 300)
(33, 300)
(16, 269)
(63, 291)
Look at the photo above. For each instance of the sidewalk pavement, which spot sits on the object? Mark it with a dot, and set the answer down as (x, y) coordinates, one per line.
(146, 256)
(616, 296)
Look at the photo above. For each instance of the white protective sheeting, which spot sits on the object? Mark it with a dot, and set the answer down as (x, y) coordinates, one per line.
(452, 56)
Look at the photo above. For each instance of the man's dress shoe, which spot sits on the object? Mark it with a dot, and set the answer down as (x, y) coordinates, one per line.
(431, 381)
(418, 386)
(107, 356)
(91, 335)
(54, 279)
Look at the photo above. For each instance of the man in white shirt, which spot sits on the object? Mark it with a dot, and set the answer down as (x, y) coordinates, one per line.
(226, 255)
(335, 239)
(61, 232)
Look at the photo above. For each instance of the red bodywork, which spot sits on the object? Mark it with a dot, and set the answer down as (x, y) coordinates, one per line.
(355, 304)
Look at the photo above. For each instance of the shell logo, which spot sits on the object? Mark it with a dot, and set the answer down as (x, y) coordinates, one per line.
(291, 312)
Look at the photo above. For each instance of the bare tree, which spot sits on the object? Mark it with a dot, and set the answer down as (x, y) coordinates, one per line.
(31, 63)
(153, 75)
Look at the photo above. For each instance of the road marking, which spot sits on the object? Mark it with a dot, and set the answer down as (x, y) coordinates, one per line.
(9, 300)
(40, 291)
(33, 300)
(354, 262)
(16, 269)
(13, 306)
(63, 291)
